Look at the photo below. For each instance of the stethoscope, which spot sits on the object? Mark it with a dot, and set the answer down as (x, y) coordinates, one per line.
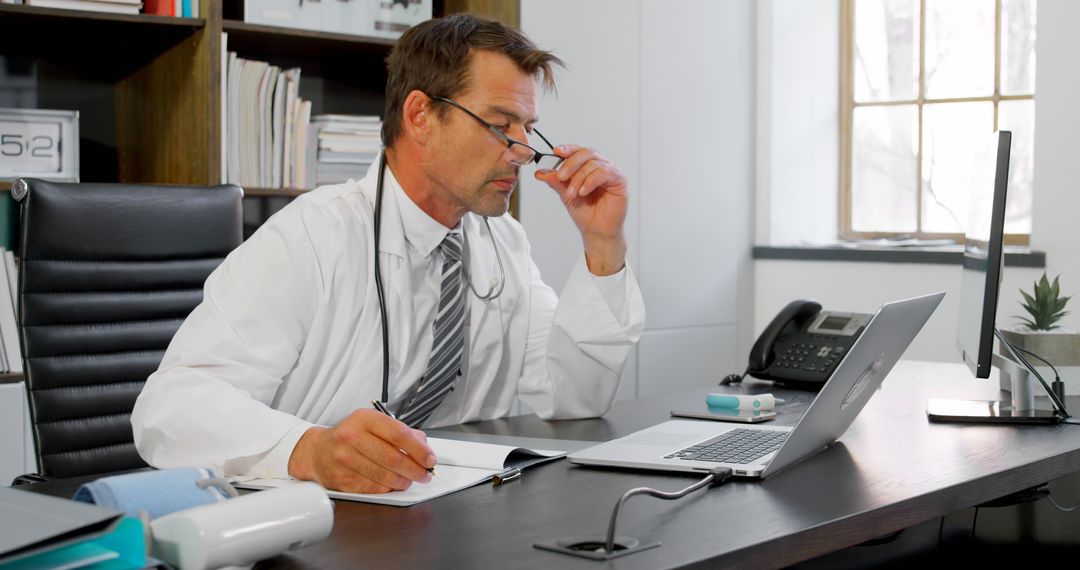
(493, 291)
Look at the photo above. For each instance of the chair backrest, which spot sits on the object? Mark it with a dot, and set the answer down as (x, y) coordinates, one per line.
(108, 272)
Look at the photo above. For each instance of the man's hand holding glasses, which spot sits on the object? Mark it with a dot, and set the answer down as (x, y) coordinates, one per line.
(595, 195)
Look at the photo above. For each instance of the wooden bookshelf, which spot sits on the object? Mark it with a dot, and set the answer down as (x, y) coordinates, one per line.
(295, 41)
(95, 45)
(147, 87)
(85, 17)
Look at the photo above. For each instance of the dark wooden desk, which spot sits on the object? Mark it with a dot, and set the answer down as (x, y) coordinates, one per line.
(890, 471)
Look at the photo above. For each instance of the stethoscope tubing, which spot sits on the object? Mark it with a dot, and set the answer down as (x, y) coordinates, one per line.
(492, 294)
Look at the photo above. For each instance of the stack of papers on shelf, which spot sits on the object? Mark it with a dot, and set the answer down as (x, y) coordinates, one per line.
(461, 464)
(347, 145)
(271, 140)
(265, 125)
(111, 6)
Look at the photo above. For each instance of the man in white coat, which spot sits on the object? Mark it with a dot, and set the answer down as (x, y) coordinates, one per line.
(274, 374)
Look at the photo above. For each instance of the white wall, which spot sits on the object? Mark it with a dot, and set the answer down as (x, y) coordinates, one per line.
(597, 104)
(798, 121)
(665, 89)
(1056, 203)
(863, 286)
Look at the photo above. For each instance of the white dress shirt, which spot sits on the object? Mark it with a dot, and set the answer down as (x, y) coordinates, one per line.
(288, 334)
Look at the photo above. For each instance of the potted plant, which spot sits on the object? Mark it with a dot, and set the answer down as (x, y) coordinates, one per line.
(1040, 332)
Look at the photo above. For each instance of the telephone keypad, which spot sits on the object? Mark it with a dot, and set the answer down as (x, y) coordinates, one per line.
(815, 357)
(803, 345)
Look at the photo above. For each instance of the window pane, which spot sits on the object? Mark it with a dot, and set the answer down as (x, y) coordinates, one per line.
(886, 58)
(1018, 47)
(952, 135)
(1019, 117)
(959, 48)
(884, 169)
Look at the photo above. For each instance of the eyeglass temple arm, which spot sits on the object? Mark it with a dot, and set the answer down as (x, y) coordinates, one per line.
(509, 141)
(543, 138)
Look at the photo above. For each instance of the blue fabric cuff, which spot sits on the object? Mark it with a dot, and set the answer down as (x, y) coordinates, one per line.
(157, 492)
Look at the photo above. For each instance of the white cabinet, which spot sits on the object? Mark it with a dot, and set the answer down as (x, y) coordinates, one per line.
(16, 449)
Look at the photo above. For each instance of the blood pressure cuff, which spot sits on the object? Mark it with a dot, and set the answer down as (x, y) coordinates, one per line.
(158, 492)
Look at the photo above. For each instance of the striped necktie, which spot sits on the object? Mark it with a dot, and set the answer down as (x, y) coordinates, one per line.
(449, 339)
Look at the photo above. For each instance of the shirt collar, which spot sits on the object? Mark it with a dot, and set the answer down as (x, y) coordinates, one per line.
(422, 232)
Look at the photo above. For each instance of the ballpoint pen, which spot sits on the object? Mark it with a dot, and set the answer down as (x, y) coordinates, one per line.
(506, 476)
(382, 408)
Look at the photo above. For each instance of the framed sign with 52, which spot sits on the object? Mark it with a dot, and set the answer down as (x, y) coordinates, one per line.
(39, 143)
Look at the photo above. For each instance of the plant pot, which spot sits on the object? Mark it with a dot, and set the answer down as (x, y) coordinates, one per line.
(1061, 347)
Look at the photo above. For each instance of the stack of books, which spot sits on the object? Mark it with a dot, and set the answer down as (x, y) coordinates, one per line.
(111, 6)
(347, 145)
(271, 140)
(182, 8)
(265, 126)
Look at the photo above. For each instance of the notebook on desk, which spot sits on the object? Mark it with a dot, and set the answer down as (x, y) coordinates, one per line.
(461, 464)
(33, 524)
(758, 451)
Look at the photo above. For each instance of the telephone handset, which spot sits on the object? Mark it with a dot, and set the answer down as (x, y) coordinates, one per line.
(803, 345)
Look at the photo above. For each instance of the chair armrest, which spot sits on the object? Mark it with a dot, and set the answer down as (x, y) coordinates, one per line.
(29, 479)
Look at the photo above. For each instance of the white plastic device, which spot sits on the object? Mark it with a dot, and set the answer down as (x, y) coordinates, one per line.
(245, 529)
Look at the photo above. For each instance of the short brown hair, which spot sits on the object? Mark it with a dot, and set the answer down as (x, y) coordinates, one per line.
(433, 57)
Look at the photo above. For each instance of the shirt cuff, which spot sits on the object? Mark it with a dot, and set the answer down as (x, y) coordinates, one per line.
(613, 289)
(275, 464)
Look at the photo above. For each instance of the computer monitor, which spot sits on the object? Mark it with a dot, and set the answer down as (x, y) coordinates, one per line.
(980, 280)
(984, 239)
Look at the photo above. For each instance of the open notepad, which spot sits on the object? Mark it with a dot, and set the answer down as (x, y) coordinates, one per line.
(461, 464)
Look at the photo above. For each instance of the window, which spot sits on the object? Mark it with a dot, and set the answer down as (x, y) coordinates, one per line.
(922, 84)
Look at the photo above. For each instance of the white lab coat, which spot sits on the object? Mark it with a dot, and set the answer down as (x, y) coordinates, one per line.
(288, 334)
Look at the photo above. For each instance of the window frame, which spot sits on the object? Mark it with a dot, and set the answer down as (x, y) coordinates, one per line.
(847, 110)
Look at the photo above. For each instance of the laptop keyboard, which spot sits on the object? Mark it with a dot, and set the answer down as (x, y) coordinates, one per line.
(736, 446)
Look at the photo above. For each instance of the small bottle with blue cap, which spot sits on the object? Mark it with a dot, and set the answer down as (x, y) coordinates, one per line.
(760, 402)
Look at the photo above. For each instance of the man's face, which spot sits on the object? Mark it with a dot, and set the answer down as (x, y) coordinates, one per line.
(470, 166)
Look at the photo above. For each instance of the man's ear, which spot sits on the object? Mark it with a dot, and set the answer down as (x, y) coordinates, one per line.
(417, 116)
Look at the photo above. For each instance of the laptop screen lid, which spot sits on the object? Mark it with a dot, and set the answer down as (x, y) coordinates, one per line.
(856, 378)
(670, 446)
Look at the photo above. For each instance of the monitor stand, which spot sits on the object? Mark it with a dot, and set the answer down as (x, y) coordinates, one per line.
(1020, 409)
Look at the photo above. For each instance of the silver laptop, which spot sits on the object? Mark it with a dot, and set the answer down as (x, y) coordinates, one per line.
(758, 451)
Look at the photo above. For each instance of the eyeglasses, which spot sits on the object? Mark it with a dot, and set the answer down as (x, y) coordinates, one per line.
(522, 155)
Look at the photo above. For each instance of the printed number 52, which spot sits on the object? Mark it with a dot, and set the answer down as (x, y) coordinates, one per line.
(40, 146)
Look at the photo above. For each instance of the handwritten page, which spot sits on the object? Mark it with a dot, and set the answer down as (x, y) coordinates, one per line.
(461, 464)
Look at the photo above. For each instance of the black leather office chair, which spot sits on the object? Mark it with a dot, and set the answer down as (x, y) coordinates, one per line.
(107, 274)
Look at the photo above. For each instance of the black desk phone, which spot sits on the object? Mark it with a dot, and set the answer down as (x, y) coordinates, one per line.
(803, 345)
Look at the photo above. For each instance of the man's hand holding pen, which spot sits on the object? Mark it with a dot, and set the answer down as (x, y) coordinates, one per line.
(386, 411)
(368, 452)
